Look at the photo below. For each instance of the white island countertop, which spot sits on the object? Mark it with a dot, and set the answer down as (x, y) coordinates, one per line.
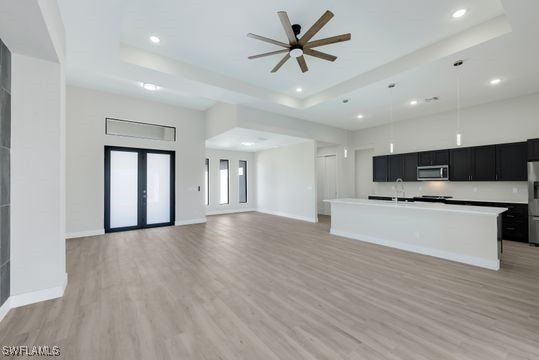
(467, 234)
(480, 210)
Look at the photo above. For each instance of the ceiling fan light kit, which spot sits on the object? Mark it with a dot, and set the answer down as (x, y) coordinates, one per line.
(298, 47)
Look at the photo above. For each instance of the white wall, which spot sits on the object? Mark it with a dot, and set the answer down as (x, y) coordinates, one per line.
(500, 122)
(86, 139)
(285, 181)
(234, 205)
(363, 173)
(37, 177)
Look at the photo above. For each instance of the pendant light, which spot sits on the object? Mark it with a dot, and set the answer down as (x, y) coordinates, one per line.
(391, 144)
(458, 136)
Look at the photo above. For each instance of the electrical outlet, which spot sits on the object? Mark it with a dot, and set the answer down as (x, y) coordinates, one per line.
(515, 190)
(474, 189)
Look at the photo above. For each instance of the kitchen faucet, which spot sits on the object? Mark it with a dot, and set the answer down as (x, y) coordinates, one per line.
(397, 191)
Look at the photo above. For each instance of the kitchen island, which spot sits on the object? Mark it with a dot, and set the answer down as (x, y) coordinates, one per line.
(467, 234)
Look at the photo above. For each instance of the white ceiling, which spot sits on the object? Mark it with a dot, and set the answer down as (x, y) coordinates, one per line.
(240, 139)
(202, 57)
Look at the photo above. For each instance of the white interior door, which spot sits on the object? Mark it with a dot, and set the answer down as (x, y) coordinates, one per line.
(327, 182)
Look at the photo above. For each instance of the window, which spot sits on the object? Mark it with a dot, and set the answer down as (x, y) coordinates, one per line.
(223, 182)
(242, 175)
(207, 183)
(139, 130)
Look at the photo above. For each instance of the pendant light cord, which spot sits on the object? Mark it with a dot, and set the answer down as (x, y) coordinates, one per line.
(458, 101)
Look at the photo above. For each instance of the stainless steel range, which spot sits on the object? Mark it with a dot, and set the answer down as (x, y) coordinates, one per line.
(533, 202)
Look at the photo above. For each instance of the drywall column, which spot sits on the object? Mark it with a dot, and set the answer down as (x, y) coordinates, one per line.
(38, 264)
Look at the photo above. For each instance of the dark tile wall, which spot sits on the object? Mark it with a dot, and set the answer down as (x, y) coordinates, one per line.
(5, 156)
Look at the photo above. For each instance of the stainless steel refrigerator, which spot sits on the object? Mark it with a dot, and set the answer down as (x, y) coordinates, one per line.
(533, 202)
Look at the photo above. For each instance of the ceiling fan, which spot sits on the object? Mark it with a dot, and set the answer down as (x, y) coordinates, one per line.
(298, 47)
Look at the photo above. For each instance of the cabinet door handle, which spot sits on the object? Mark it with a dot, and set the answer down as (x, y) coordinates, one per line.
(510, 228)
(510, 216)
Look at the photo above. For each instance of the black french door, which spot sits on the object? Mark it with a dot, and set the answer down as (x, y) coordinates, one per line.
(139, 188)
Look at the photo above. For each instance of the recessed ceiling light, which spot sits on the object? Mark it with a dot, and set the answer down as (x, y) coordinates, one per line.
(150, 87)
(299, 90)
(155, 39)
(360, 116)
(495, 81)
(247, 143)
(413, 102)
(459, 13)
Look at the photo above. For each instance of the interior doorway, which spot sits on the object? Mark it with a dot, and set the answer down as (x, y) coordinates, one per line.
(139, 188)
(326, 168)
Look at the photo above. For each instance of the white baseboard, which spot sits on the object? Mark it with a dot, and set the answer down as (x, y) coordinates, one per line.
(189, 222)
(288, 215)
(470, 260)
(78, 234)
(4, 309)
(15, 301)
(228, 211)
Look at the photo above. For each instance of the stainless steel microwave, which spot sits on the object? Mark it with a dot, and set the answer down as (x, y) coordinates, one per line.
(436, 172)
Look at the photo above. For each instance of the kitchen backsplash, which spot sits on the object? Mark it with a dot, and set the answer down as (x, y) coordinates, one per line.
(488, 191)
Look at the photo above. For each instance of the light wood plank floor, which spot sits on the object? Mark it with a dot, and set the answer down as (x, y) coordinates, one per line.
(253, 286)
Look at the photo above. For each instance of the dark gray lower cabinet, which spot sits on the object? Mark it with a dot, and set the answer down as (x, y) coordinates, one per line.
(379, 168)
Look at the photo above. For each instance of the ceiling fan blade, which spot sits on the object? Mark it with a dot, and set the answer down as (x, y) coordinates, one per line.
(302, 63)
(271, 41)
(329, 40)
(281, 63)
(319, 54)
(268, 54)
(319, 24)
(283, 16)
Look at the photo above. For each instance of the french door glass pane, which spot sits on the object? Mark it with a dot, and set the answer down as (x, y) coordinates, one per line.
(158, 188)
(123, 189)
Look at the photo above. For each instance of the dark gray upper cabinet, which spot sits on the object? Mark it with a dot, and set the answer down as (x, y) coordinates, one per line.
(436, 157)
(410, 166)
(396, 167)
(533, 150)
(460, 164)
(501, 162)
(511, 162)
(379, 168)
(484, 163)
(473, 164)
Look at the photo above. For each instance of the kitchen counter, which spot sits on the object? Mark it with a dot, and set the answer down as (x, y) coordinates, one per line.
(467, 234)
(428, 206)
